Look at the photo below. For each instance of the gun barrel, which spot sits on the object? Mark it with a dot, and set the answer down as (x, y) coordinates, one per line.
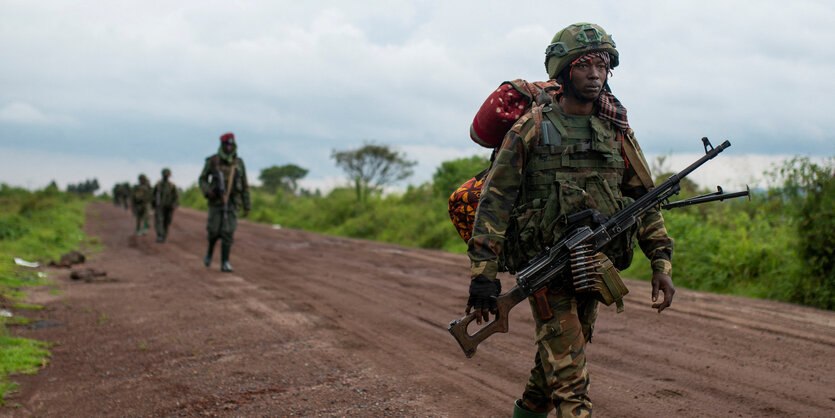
(706, 198)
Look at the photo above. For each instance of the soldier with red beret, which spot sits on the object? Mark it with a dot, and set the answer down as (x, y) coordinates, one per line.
(225, 186)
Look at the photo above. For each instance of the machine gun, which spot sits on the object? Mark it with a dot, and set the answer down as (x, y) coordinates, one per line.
(556, 260)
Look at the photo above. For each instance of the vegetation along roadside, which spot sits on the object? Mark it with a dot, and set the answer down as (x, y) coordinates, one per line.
(34, 227)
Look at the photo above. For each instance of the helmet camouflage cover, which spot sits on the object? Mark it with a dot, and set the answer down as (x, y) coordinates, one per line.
(574, 41)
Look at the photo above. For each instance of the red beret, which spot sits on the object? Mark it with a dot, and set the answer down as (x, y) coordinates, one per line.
(227, 137)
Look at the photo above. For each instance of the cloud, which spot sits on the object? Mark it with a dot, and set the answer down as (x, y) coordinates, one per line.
(25, 113)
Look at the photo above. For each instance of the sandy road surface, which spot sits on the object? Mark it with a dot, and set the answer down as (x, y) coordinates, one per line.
(314, 325)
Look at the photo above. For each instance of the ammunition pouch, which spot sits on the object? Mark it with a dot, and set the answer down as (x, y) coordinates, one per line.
(603, 280)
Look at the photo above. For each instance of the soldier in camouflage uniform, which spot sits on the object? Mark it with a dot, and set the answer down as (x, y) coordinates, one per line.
(116, 198)
(558, 159)
(224, 183)
(166, 199)
(140, 198)
(125, 195)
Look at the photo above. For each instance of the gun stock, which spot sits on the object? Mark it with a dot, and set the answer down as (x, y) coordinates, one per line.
(469, 342)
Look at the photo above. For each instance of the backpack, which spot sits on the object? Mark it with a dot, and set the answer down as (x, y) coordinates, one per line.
(492, 121)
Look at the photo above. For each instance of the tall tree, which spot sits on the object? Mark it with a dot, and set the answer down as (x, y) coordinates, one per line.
(372, 167)
(285, 177)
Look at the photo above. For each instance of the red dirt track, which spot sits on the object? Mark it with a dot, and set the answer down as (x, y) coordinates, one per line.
(313, 325)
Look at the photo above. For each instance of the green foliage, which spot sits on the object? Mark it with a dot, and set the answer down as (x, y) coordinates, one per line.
(452, 174)
(808, 191)
(281, 177)
(193, 198)
(729, 249)
(372, 167)
(38, 225)
(35, 226)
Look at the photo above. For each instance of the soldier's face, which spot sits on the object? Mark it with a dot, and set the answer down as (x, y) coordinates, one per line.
(588, 78)
(228, 147)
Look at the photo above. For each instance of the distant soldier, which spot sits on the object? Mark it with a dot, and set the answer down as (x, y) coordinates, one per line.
(116, 198)
(166, 199)
(224, 184)
(140, 198)
(125, 195)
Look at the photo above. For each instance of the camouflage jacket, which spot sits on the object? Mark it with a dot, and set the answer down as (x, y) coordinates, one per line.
(238, 188)
(141, 195)
(505, 184)
(166, 195)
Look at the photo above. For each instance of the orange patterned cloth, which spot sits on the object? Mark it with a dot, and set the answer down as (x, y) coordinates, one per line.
(462, 205)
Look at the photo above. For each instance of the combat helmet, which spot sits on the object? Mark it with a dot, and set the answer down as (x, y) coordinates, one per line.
(574, 41)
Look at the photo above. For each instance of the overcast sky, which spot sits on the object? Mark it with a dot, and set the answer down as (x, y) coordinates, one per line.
(107, 89)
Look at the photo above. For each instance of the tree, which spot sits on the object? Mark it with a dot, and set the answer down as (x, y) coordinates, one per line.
(451, 174)
(285, 177)
(372, 167)
(808, 191)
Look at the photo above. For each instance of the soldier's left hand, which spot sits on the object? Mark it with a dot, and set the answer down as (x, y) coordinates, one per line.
(245, 213)
(663, 282)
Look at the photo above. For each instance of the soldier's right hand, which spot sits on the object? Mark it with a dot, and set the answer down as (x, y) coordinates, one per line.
(483, 295)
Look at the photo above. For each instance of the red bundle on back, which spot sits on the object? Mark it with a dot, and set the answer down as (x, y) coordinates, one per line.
(492, 121)
(505, 106)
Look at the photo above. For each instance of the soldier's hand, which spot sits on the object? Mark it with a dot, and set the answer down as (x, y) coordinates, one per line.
(483, 294)
(663, 282)
(245, 213)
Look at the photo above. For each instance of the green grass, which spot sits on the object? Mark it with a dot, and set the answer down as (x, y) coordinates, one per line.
(35, 226)
(20, 356)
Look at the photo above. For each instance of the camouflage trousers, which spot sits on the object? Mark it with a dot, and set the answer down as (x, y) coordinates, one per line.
(222, 225)
(559, 375)
(162, 220)
(142, 214)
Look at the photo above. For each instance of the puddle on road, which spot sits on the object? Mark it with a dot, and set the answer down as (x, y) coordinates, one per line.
(44, 324)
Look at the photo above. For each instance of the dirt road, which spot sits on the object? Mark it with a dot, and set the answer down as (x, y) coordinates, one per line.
(312, 325)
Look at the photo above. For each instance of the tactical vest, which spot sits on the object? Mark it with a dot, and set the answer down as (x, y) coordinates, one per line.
(167, 192)
(233, 182)
(574, 163)
(142, 194)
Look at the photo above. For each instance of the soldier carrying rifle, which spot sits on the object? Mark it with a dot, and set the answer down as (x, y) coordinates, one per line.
(559, 159)
(166, 199)
(225, 186)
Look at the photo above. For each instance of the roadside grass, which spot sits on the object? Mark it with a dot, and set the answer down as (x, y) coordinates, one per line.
(36, 227)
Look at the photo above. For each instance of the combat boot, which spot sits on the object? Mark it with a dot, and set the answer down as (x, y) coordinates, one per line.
(207, 260)
(520, 412)
(224, 257)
